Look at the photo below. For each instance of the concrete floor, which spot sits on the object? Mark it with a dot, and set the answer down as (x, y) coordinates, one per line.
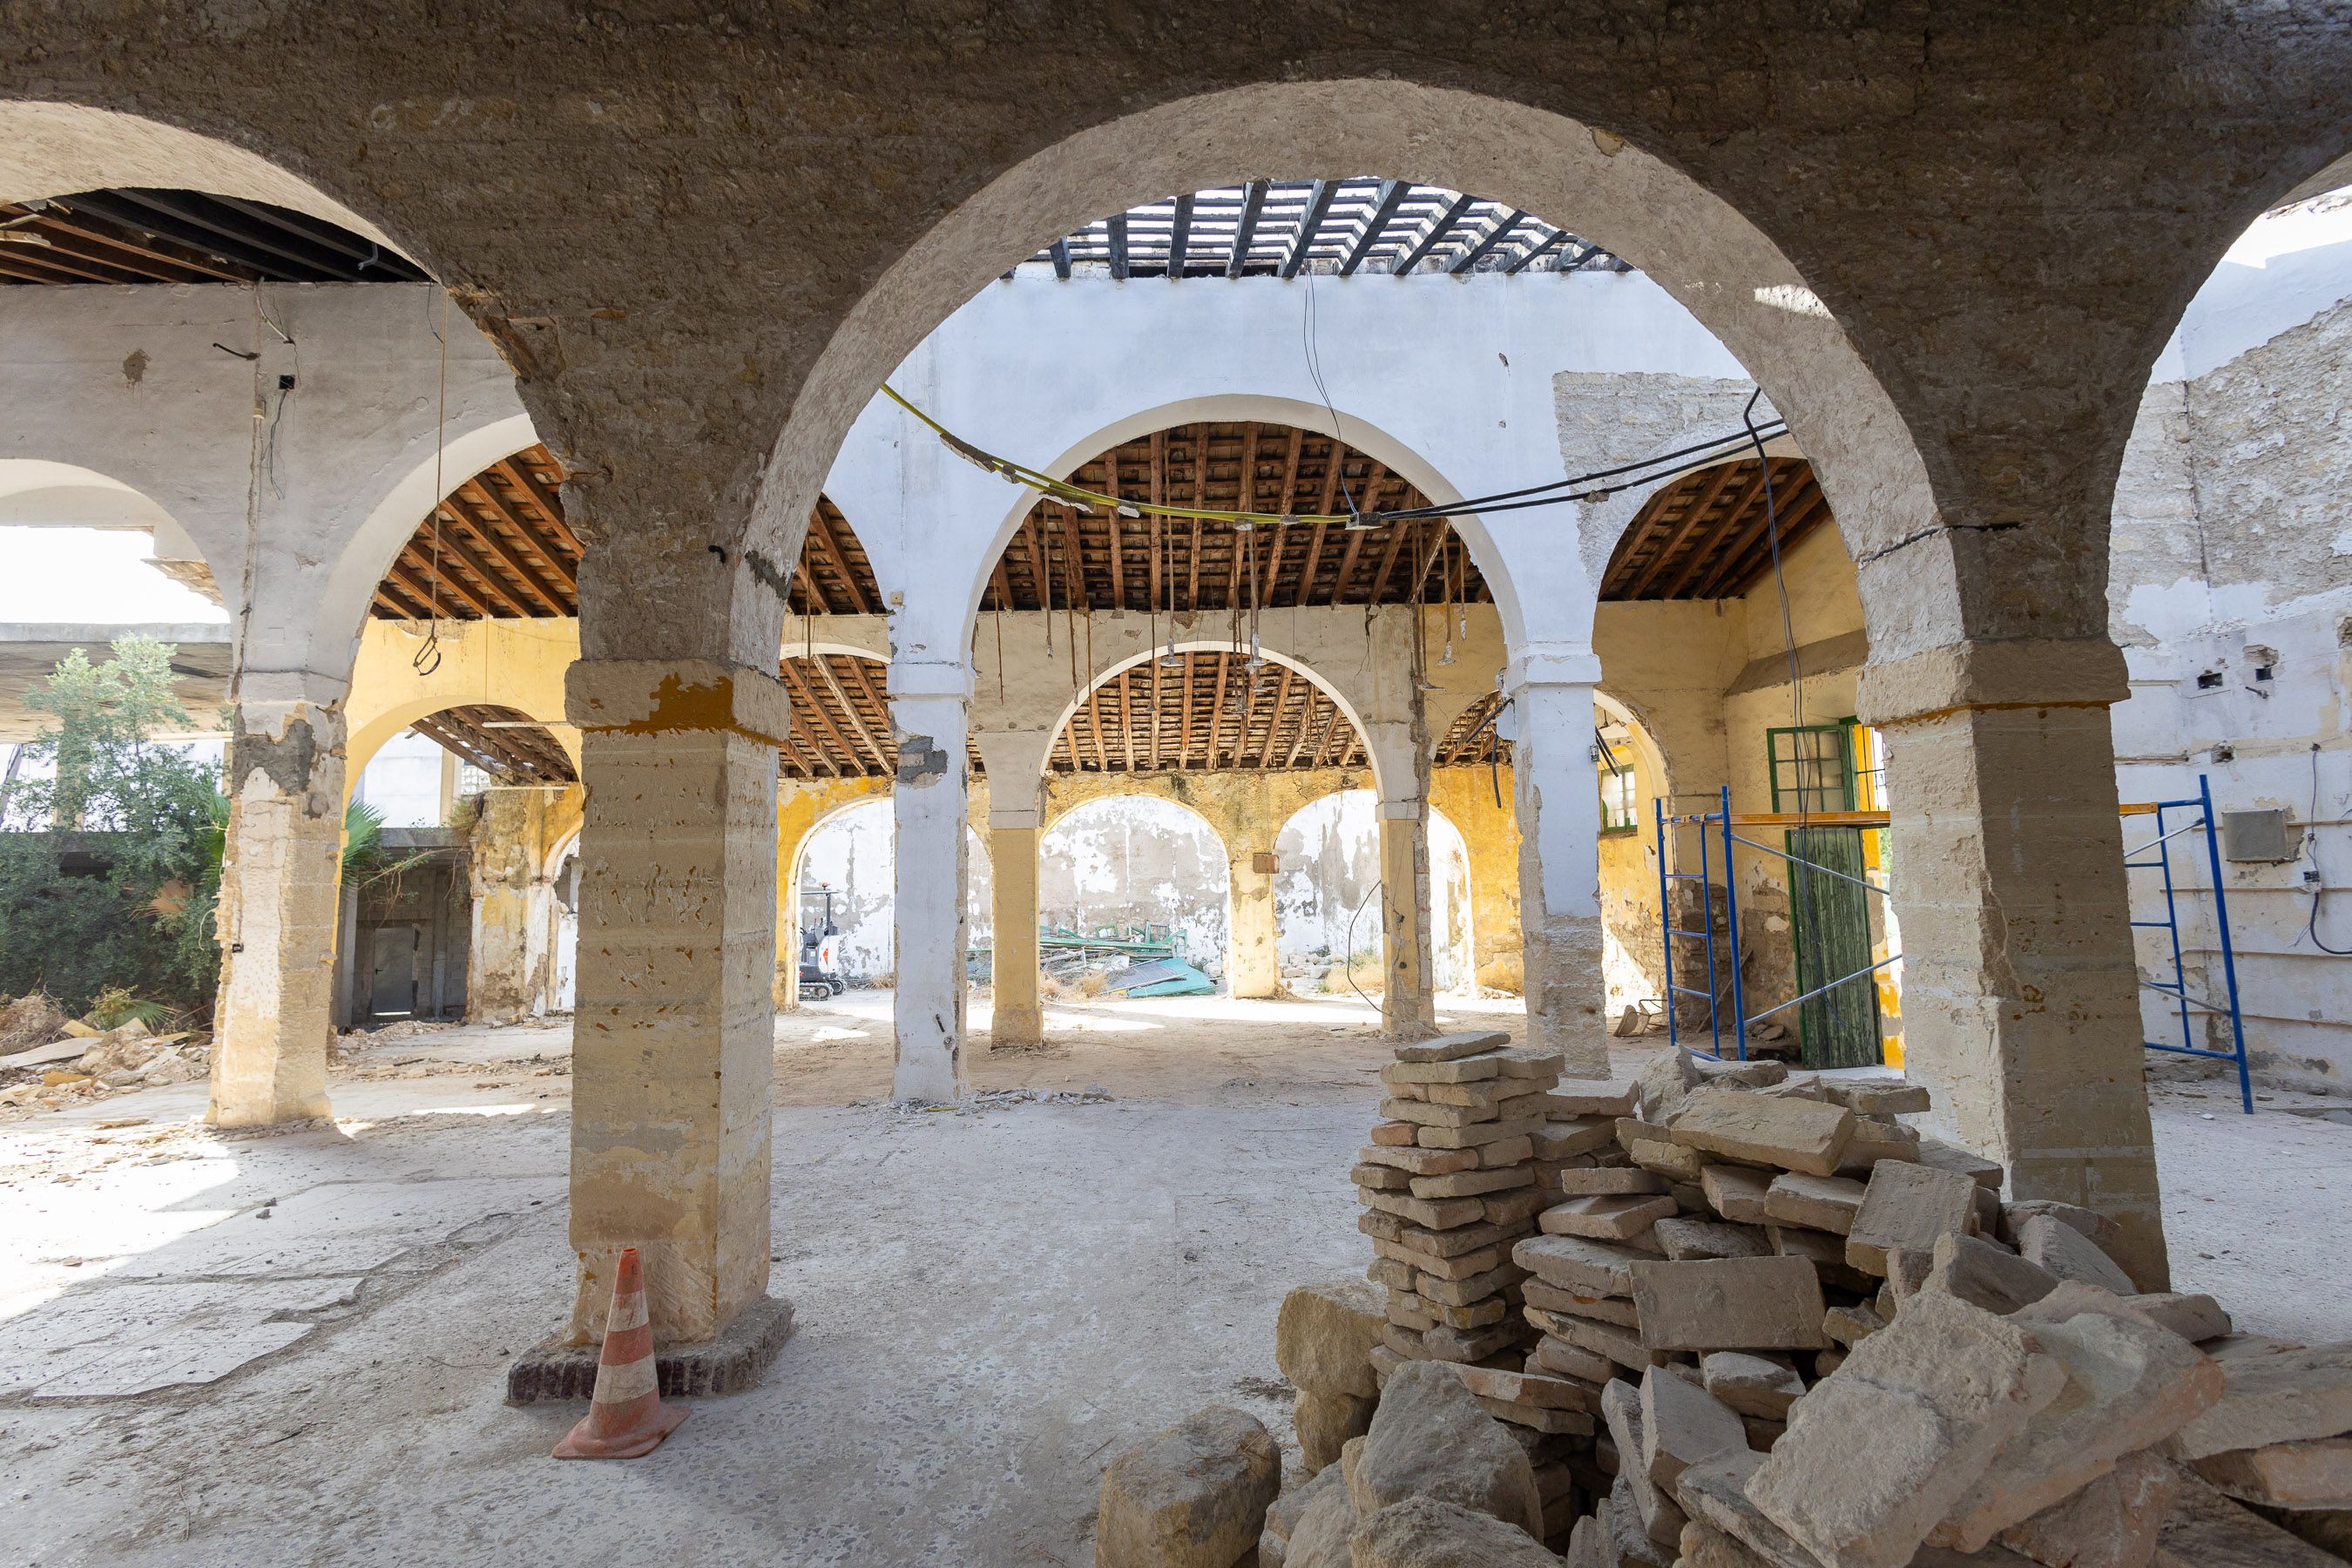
(291, 1349)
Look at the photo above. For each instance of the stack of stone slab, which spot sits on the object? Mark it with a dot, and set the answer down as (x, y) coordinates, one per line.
(1774, 1326)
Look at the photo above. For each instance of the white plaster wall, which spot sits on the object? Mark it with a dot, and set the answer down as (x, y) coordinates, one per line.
(1326, 889)
(332, 477)
(1134, 858)
(2234, 551)
(854, 849)
(1447, 381)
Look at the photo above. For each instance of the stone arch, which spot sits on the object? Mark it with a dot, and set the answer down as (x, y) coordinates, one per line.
(42, 492)
(1189, 644)
(1218, 879)
(1704, 252)
(880, 910)
(1363, 872)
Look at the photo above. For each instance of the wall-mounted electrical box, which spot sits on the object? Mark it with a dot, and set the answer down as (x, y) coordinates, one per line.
(2261, 835)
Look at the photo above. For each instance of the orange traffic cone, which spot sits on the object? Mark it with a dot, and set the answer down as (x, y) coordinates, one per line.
(625, 1416)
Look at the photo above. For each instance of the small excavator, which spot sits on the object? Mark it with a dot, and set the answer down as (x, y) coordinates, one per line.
(820, 974)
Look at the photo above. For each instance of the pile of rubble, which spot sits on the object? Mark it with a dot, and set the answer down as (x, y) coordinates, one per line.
(49, 1060)
(1762, 1321)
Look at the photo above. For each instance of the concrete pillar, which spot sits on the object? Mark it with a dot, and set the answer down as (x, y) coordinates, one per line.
(2019, 989)
(1558, 805)
(929, 706)
(279, 906)
(1018, 1014)
(674, 1051)
(1253, 964)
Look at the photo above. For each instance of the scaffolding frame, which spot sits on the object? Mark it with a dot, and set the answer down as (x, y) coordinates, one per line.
(2177, 988)
(1715, 836)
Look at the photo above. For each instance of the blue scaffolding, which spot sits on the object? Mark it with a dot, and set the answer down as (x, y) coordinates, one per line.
(2178, 987)
(1716, 838)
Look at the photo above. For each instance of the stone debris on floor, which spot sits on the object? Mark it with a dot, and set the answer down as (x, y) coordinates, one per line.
(1727, 1315)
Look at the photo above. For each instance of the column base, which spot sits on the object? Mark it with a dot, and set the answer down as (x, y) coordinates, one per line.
(734, 1360)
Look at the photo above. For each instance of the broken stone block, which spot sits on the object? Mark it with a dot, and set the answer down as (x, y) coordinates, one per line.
(1533, 1062)
(1283, 1515)
(1324, 1422)
(1762, 1072)
(1425, 1532)
(1452, 1047)
(1578, 1135)
(1430, 1438)
(1323, 1332)
(1605, 1216)
(1469, 1183)
(1878, 1455)
(1572, 1362)
(2194, 1318)
(2103, 1232)
(1417, 1161)
(1849, 1326)
(2111, 1523)
(1728, 1303)
(1734, 1193)
(1581, 1303)
(1623, 1346)
(1438, 1214)
(2316, 1473)
(1382, 1178)
(1443, 1343)
(1462, 1293)
(1874, 1141)
(1671, 1160)
(1907, 1206)
(1714, 1491)
(2069, 1255)
(2130, 1385)
(1481, 1068)
(1538, 1420)
(1973, 1269)
(1392, 1134)
(1684, 1239)
(1587, 1097)
(2206, 1529)
(1588, 1544)
(1907, 1275)
(1661, 1520)
(1817, 1203)
(1595, 1181)
(1682, 1424)
(1665, 1082)
(1752, 1385)
(1879, 1098)
(1478, 1135)
(1944, 1157)
(1510, 1208)
(1194, 1495)
(1806, 1136)
(1319, 1538)
(1578, 1264)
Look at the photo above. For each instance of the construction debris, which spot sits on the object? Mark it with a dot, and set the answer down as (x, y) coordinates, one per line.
(1707, 1340)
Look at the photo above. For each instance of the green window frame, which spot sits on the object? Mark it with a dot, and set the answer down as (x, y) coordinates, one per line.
(1812, 766)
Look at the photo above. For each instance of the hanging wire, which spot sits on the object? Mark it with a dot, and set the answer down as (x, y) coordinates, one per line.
(428, 654)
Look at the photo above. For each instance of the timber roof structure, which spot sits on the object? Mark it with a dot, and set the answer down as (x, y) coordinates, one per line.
(1061, 556)
(501, 548)
(1704, 536)
(1339, 228)
(504, 742)
(140, 236)
(1210, 711)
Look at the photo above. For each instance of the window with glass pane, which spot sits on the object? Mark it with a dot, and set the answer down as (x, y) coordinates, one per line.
(1813, 768)
(1869, 768)
(1617, 799)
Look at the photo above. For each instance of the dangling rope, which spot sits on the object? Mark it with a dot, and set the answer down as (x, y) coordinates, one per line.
(428, 656)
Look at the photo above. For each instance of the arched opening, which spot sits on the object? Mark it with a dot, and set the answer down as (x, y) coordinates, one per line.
(1326, 899)
(1129, 886)
(851, 854)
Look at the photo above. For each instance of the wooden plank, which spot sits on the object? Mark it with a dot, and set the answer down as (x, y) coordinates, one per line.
(414, 579)
(1811, 819)
(1126, 721)
(517, 472)
(531, 536)
(454, 548)
(1393, 193)
(1274, 720)
(859, 601)
(1319, 203)
(802, 690)
(1115, 526)
(870, 750)
(1246, 227)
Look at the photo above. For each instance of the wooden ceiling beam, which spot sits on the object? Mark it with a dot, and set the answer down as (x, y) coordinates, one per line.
(537, 539)
(822, 526)
(804, 692)
(1752, 556)
(1700, 560)
(467, 496)
(547, 502)
(1701, 502)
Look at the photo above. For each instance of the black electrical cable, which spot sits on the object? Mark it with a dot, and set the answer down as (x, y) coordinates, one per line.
(2319, 892)
(1643, 473)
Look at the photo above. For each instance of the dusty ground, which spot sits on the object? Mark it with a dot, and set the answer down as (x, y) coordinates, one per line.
(291, 1349)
